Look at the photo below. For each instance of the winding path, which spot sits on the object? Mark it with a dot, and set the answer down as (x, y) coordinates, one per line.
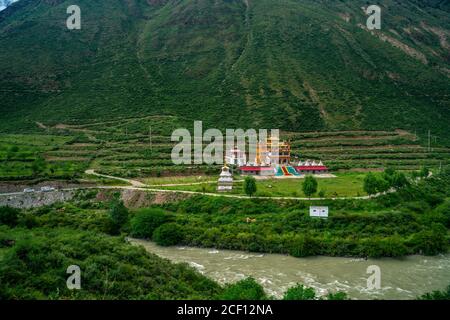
(139, 186)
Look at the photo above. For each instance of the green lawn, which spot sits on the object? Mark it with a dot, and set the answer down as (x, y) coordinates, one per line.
(344, 185)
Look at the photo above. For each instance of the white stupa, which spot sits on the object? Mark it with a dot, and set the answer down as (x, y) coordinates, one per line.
(225, 182)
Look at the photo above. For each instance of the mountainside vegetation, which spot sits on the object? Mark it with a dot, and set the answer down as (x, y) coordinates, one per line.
(297, 65)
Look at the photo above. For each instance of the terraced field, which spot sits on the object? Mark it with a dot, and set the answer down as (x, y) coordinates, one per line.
(141, 148)
(370, 150)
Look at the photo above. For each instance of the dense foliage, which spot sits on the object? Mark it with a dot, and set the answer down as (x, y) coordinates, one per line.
(37, 245)
(414, 219)
(168, 234)
(247, 289)
(35, 268)
(437, 295)
(146, 221)
(390, 178)
(300, 292)
(118, 217)
(8, 216)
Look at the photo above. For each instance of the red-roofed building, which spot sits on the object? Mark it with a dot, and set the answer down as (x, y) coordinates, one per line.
(256, 170)
(311, 169)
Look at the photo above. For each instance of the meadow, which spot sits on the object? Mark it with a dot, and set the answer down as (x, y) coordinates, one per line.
(345, 184)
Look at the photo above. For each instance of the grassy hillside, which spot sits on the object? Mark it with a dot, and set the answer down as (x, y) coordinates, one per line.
(34, 267)
(299, 65)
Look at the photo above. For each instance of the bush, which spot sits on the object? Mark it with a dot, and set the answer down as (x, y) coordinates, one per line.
(168, 234)
(424, 172)
(431, 241)
(250, 186)
(118, 217)
(111, 269)
(300, 292)
(146, 221)
(374, 184)
(399, 180)
(309, 186)
(337, 296)
(437, 295)
(370, 183)
(9, 216)
(247, 289)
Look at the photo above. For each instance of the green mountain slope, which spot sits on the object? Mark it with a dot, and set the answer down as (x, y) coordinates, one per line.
(297, 65)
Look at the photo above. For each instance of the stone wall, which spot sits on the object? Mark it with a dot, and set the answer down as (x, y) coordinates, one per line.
(35, 199)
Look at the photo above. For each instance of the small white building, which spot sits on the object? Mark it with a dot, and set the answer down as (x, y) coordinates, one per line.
(225, 182)
(236, 157)
(318, 212)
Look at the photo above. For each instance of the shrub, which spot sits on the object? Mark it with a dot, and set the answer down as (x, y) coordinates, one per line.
(146, 221)
(250, 186)
(168, 234)
(300, 292)
(309, 186)
(424, 172)
(374, 184)
(399, 180)
(431, 241)
(337, 296)
(118, 217)
(9, 216)
(437, 295)
(247, 289)
(370, 183)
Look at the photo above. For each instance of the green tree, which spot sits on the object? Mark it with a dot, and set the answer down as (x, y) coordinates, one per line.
(247, 289)
(168, 234)
(424, 172)
(370, 183)
(145, 222)
(118, 217)
(38, 166)
(399, 180)
(300, 292)
(389, 171)
(250, 186)
(9, 216)
(309, 186)
(382, 184)
(431, 241)
(14, 149)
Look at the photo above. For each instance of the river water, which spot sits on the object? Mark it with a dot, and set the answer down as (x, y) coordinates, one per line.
(404, 278)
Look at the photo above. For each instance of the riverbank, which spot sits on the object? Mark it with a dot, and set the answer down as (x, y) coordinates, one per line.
(405, 278)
